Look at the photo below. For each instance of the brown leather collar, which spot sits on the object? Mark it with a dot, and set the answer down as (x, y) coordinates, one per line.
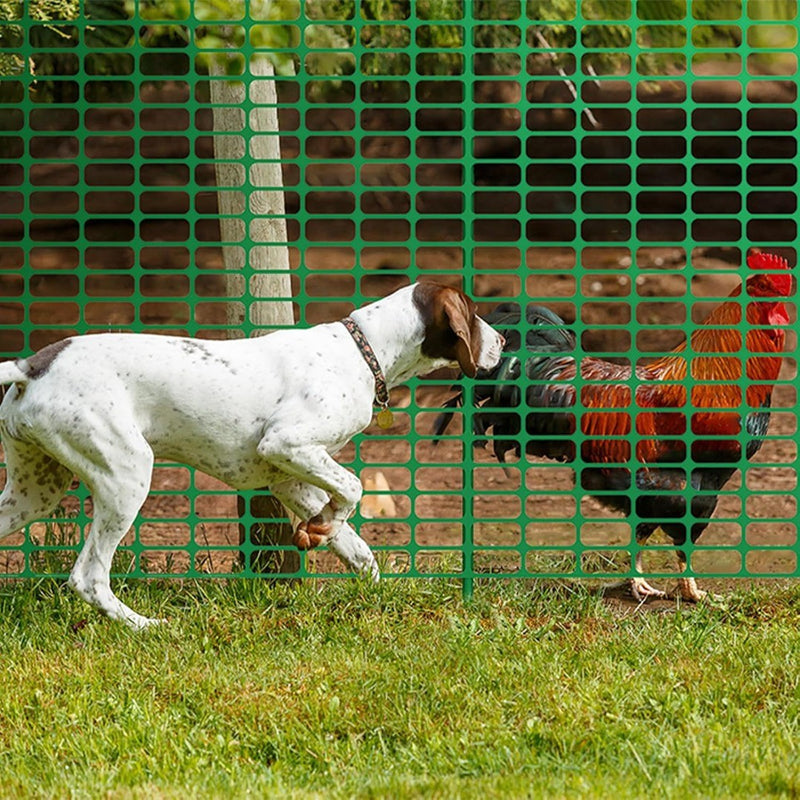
(381, 389)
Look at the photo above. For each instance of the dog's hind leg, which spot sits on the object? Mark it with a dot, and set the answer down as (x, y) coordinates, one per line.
(35, 483)
(118, 491)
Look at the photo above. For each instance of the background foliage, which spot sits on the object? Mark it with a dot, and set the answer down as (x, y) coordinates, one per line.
(559, 27)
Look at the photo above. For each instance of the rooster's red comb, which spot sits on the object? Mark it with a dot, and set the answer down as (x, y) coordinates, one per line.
(766, 261)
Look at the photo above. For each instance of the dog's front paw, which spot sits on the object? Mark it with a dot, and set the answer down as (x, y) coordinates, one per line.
(312, 533)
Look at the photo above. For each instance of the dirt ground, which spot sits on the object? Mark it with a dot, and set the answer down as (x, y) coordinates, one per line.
(434, 488)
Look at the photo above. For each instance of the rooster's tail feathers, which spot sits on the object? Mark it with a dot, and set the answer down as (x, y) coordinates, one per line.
(547, 332)
(442, 421)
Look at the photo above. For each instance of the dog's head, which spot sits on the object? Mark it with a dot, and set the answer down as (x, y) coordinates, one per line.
(453, 330)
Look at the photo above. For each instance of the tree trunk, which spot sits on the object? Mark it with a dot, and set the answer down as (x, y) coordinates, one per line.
(251, 116)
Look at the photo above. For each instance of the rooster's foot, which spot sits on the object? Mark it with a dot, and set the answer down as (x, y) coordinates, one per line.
(642, 590)
(689, 592)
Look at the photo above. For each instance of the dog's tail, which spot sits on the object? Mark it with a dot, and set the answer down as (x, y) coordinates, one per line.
(10, 372)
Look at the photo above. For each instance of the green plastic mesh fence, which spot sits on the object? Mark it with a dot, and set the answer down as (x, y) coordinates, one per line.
(593, 174)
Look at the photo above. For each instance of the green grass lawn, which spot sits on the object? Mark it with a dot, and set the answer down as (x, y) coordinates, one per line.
(402, 690)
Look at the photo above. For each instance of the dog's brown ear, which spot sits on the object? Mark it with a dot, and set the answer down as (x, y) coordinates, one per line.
(459, 312)
(451, 331)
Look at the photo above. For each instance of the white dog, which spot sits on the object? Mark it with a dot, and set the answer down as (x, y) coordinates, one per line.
(261, 412)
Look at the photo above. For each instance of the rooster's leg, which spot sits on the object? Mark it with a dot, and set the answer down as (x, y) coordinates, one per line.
(689, 591)
(640, 588)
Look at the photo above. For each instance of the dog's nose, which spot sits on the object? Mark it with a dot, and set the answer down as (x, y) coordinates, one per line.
(502, 340)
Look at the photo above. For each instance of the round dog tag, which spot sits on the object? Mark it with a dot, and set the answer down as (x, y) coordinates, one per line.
(385, 418)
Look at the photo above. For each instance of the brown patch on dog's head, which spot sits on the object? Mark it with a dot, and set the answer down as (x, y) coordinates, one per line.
(451, 325)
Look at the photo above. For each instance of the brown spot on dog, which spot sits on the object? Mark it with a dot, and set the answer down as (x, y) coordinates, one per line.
(451, 325)
(39, 363)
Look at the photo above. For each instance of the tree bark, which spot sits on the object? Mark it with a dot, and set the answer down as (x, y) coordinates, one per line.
(247, 155)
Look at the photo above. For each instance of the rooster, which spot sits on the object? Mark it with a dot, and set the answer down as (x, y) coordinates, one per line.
(708, 432)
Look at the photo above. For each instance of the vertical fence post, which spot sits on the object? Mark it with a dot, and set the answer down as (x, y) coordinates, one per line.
(468, 565)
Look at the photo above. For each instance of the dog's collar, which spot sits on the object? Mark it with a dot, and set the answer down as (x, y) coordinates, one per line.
(381, 389)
